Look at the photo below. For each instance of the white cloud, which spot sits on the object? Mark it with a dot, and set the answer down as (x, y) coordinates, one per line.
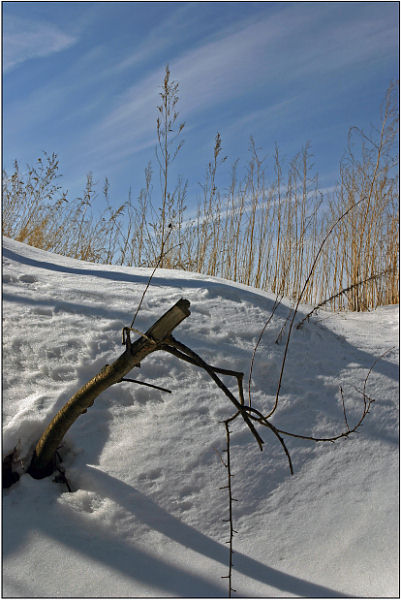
(214, 72)
(25, 39)
(294, 45)
(290, 46)
(162, 36)
(281, 50)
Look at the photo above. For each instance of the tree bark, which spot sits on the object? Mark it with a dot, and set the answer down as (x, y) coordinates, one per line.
(43, 460)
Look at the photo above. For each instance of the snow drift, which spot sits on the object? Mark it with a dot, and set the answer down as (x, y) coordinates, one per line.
(145, 517)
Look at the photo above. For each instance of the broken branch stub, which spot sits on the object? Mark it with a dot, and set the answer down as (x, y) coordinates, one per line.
(42, 463)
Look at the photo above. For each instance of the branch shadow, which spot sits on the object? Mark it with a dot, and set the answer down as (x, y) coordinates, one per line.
(136, 563)
(156, 517)
(106, 548)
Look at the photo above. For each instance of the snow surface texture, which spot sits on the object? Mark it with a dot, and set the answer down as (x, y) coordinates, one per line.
(145, 516)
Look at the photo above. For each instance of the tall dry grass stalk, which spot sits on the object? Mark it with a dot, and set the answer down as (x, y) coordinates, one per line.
(37, 212)
(263, 230)
(368, 243)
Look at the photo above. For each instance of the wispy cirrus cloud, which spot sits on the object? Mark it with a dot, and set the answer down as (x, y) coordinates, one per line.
(162, 37)
(234, 74)
(285, 51)
(211, 73)
(24, 39)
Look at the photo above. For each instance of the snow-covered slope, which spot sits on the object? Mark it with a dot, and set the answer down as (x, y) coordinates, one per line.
(146, 514)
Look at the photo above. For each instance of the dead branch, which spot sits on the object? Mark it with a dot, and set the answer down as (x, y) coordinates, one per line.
(237, 374)
(201, 363)
(257, 416)
(43, 460)
(367, 403)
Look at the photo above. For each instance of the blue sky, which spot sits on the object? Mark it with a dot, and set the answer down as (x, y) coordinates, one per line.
(82, 79)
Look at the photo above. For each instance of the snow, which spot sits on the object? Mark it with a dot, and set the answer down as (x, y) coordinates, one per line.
(145, 517)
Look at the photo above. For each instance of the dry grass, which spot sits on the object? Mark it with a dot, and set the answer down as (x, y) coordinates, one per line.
(37, 212)
(262, 231)
(368, 243)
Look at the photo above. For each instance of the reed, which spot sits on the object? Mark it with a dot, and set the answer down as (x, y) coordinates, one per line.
(263, 230)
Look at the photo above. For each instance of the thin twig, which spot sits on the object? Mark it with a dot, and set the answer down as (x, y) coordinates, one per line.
(220, 457)
(201, 363)
(126, 340)
(230, 509)
(156, 387)
(280, 334)
(299, 301)
(192, 361)
(275, 306)
(343, 402)
(237, 374)
(340, 293)
(161, 256)
(370, 400)
(263, 421)
(367, 400)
